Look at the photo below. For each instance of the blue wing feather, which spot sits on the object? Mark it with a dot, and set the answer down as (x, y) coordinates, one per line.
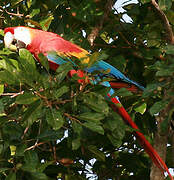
(99, 65)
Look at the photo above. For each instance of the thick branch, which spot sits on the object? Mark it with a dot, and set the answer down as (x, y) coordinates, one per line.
(160, 140)
(160, 146)
(169, 32)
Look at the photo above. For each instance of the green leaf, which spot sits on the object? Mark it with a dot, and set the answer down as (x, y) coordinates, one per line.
(2, 170)
(9, 64)
(96, 103)
(27, 60)
(141, 108)
(170, 16)
(34, 12)
(38, 176)
(11, 176)
(31, 157)
(50, 135)
(13, 150)
(169, 49)
(1, 89)
(62, 90)
(89, 116)
(1, 108)
(31, 109)
(165, 4)
(94, 127)
(29, 3)
(31, 161)
(54, 118)
(123, 92)
(45, 23)
(115, 129)
(16, 2)
(20, 149)
(76, 144)
(115, 139)
(77, 128)
(97, 153)
(145, 1)
(44, 61)
(62, 71)
(12, 132)
(163, 72)
(44, 165)
(114, 123)
(158, 106)
(8, 77)
(149, 90)
(1, 32)
(26, 98)
(93, 58)
(119, 62)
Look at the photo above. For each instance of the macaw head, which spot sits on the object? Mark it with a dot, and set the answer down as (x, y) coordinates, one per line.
(16, 38)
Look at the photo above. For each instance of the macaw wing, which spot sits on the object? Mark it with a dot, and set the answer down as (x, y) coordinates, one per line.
(64, 50)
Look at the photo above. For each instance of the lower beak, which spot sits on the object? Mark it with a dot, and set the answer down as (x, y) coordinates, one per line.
(12, 47)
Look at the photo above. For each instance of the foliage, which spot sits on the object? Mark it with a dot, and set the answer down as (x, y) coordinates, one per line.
(51, 127)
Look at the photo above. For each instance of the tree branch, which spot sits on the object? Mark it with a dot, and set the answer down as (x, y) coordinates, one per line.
(167, 26)
(95, 31)
(10, 13)
(161, 138)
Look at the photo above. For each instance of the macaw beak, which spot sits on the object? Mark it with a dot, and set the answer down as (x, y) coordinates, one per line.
(16, 45)
(12, 47)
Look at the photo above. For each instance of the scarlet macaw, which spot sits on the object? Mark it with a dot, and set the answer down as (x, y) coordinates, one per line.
(38, 41)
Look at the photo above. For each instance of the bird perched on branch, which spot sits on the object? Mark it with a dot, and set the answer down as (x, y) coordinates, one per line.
(38, 41)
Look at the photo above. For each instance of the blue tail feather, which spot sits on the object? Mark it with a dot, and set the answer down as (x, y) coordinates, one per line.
(102, 65)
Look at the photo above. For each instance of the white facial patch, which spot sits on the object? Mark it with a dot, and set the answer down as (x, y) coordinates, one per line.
(8, 39)
(22, 34)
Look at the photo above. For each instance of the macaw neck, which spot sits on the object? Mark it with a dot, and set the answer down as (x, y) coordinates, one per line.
(33, 47)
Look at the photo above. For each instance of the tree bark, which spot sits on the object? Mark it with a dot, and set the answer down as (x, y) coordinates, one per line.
(161, 138)
(160, 147)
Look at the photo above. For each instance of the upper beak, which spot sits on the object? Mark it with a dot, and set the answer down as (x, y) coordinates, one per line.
(16, 45)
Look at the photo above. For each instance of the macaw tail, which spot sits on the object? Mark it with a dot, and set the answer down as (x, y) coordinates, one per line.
(117, 106)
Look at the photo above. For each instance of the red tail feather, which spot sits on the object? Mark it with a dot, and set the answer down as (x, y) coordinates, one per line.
(118, 85)
(146, 145)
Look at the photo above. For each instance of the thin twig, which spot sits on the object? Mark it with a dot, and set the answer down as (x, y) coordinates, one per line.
(10, 13)
(34, 146)
(72, 118)
(111, 46)
(12, 94)
(25, 131)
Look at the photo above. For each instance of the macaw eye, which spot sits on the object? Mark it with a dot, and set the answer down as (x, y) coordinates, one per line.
(14, 42)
